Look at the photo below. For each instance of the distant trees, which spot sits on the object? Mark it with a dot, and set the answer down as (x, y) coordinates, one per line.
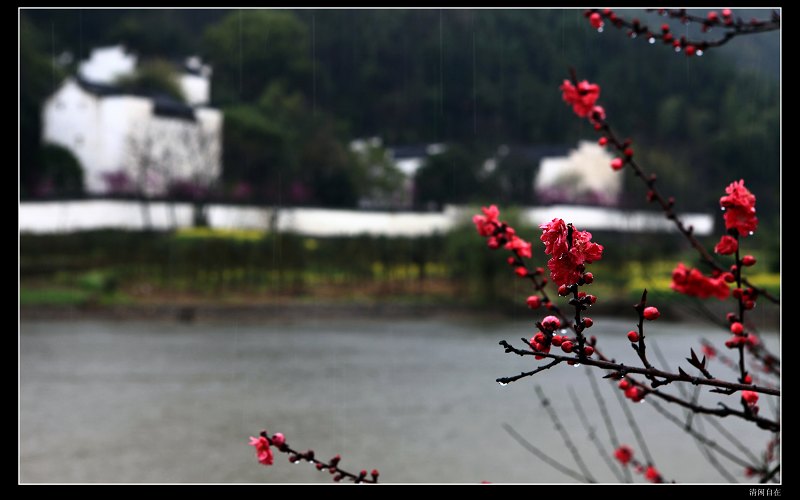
(475, 79)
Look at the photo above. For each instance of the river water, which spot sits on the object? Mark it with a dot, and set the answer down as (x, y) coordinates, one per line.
(165, 402)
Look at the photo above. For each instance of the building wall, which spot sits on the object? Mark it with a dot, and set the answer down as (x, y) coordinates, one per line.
(115, 134)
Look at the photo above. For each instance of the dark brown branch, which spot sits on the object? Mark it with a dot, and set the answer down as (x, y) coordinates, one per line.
(771, 474)
(624, 369)
(542, 455)
(731, 31)
(722, 411)
(332, 466)
(508, 380)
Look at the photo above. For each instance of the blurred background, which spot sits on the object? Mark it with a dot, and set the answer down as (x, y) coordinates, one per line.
(187, 175)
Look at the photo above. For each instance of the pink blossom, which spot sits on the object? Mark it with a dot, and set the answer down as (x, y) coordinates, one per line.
(554, 237)
(694, 283)
(581, 97)
(263, 451)
(740, 208)
(727, 245)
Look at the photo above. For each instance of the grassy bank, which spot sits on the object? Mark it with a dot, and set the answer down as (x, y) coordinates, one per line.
(203, 266)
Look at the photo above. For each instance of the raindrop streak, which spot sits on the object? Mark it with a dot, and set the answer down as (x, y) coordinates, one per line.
(651, 40)
(474, 85)
(314, 64)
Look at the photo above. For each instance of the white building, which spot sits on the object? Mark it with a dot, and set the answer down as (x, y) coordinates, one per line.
(584, 175)
(133, 143)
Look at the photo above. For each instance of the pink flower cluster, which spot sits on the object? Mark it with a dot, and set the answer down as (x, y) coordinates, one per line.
(568, 259)
(582, 97)
(499, 233)
(262, 446)
(740, 208)
(542, 341)
(694, 283)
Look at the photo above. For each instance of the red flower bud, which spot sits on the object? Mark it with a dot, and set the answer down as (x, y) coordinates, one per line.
(713, 16)
(750, 397)
(651, 313)
(511, 261)
(551, 322)
(534, 301)
(737, 328)
(587, 322)
(563, 290)
(596, 20)
(749, 304)
(557, 340)
(728, 277)
(592, 299)
(617, 164)
(633, 336)
(538, 338)
(521, 271)
(588, 350)
(566, 346)
(748, 260)
(726, 12)
(602, 141)
(375, 473)
(748, 379)
(588, 278)
(665, 28)
(624, 384)
(278, 440)
(628, 152)
(737, 293)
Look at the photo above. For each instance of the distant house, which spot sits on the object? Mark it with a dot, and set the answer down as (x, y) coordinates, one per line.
(581, 176)
(126, 143)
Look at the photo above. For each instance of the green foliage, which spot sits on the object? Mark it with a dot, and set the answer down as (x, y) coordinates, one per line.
(61, 167)
(153, 77)
(453, 176)
(38, 78)
(253, 48)
(477, 79)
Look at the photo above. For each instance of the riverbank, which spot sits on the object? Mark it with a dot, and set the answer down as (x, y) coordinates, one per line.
(288, 310)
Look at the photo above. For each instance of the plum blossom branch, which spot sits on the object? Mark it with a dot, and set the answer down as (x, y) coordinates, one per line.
(264, 443)
(731, 26)
(583, 96)
(625, 369)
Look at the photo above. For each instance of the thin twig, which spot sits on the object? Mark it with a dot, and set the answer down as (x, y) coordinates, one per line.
(576, 455)
(706, 451)
(634, 427)
(700, 437)
(542, 455)
(592, 434)
(612, 433)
